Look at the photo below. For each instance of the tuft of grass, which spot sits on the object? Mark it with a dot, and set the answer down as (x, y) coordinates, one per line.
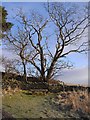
(78, 100)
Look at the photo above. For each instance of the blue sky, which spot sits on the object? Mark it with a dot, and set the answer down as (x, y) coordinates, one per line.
(44, 0)
(80, 61)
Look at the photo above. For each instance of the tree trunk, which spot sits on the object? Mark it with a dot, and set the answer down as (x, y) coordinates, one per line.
(50, 70)
(25, 73)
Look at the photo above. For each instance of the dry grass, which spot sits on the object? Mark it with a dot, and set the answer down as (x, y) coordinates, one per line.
(78, 100)
(10, 91)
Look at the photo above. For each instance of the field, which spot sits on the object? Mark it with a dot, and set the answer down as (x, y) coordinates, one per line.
(61, 105)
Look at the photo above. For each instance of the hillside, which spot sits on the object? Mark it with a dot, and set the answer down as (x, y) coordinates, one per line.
(37, 99)
(62, 105)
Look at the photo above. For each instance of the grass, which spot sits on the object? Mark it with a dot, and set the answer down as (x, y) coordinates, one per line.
(62, 105)
(22, 105)
(77, 101)
(80, 100)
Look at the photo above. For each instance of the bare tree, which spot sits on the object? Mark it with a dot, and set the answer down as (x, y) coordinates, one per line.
(18, 43)
(70, 29)
(67, 29)
(9, 67)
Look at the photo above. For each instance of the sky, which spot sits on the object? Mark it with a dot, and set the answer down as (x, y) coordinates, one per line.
(44, 0)
(79, 74)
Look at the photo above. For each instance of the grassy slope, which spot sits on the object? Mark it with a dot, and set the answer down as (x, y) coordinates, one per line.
(23, 105)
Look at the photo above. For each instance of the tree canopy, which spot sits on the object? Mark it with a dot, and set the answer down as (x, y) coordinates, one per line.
(64, 27)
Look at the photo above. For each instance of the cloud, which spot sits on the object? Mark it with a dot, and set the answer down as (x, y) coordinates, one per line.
(75, 76)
